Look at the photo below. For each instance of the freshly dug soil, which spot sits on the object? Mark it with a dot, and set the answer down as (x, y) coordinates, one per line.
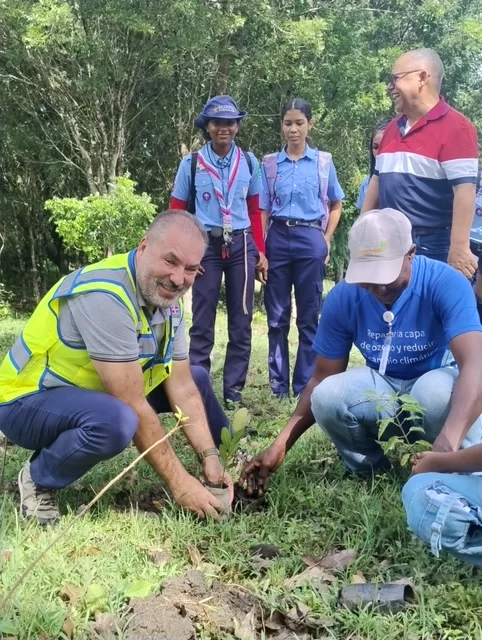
(185, 602)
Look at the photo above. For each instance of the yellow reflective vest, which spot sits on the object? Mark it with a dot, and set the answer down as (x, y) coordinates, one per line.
(40, 359)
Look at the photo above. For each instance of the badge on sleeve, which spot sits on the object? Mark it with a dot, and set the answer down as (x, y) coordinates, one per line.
(206, 196)
(278, 201)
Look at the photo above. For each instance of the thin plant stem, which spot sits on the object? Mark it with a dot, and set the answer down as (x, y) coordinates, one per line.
(95, 499)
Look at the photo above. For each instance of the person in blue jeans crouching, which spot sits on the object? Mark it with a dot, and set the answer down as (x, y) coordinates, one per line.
(415, 322)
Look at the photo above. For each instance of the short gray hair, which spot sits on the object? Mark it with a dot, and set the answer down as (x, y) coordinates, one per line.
(184, 221)
(432, 62)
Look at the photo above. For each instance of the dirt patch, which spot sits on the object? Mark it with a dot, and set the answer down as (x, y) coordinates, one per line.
(185, 603)
(247, 504)
(152, 502)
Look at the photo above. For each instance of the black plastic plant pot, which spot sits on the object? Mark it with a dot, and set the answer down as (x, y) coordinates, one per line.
(389, 598)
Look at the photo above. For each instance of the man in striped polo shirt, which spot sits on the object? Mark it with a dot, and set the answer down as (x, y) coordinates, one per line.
(427, 163)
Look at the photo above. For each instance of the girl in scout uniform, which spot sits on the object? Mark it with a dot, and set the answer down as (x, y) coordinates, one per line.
(220, 185)
(301, 200)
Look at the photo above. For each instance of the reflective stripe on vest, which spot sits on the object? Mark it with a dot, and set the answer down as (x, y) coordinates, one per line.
(41, 359)
(324, 160)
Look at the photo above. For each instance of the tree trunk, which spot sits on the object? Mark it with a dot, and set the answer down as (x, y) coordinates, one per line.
(33, 258)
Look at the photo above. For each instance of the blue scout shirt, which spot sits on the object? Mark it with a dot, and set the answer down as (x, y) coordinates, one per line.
(207, 206)
(362, 193)
(297, 187)
(437, 306)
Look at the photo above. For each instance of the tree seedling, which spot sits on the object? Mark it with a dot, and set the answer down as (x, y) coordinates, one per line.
(407, 414)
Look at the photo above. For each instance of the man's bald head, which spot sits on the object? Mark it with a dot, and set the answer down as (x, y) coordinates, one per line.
(183, 221)
(415, 82)
(428, 60)
(168, 257)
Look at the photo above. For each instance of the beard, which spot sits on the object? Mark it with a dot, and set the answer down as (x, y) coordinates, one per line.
(150, 292)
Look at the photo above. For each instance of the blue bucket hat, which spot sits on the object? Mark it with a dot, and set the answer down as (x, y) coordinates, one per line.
(219, 107)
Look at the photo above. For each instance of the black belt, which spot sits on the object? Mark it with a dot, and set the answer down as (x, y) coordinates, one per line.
(217, 232)
(289, 222)
(426, 231)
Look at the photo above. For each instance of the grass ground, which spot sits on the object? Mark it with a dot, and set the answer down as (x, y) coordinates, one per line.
(312, 509)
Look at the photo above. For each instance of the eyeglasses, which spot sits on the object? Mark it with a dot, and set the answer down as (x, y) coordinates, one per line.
(393, 78)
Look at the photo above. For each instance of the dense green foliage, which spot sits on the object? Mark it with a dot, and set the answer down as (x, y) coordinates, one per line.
(91, 90)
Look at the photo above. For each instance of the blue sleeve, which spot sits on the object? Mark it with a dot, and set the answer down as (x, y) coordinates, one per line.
(335, 192)
(255, 182)
(454, 303)
(333, 340)
(264, 196)
(182, 185)
(362, 192)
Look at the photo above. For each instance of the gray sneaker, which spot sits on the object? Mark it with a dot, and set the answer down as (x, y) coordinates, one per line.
(37, 502)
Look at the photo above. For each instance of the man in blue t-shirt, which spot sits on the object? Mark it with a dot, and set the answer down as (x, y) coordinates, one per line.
(407, 315)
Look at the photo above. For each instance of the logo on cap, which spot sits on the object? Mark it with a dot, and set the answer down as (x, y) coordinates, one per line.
(374, 249)
(225, 107)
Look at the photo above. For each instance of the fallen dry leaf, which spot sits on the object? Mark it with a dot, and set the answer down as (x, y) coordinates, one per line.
(159, 556)
(386, 563)
(70, 593)
(7, 554)
(42, 636)
(312, 574)
(247, 629)
(158, 505)
(68, 628)
(408, 581)
(275, 622)
(358, 578)
(194, 555)
(334, 561)
(106, 624)
(260, 563)
(91, 551)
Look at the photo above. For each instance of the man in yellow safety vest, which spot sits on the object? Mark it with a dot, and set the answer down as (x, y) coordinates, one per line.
(102, 354)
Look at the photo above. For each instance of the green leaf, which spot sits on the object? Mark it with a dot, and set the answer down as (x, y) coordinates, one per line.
(95, 598)
(404, 459)
(7, 627)
(138, 589)
(240, 419)
(226, 437)
(405, 397)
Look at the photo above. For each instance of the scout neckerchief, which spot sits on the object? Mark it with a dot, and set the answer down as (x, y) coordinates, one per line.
(225, 204)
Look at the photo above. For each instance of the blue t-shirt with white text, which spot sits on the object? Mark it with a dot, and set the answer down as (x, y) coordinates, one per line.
(437, 306)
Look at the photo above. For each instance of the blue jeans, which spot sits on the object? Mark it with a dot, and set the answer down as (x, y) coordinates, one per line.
(445, 511)
(348, 407)
(433, 245)
(72, 429)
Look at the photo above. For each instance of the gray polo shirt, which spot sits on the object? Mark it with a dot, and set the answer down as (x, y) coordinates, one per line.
(103, 326)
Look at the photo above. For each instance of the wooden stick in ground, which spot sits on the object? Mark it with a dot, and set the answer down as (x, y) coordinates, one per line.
(97, 497)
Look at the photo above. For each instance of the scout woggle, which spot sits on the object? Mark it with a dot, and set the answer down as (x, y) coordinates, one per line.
(388, 317)
(224, 206)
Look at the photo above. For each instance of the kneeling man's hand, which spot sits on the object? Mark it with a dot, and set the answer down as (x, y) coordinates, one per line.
(258, 470)
(196, 498)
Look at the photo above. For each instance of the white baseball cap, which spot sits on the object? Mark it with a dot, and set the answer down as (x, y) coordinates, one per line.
(378, 242)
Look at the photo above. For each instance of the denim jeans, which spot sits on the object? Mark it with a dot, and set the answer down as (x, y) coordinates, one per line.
(72, 429)
(445, 511)
(348, 407)
(433, 245)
